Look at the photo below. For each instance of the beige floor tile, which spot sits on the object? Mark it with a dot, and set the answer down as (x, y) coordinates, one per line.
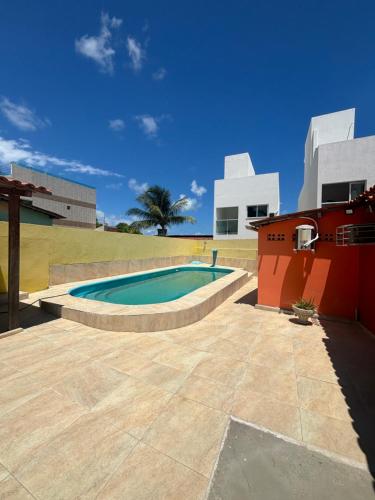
(244, 335)
(92, 348)
(80, 460)
(269, 342)
(147, 474)
(90, 384)
(209, 392)
(3, 473)
(11, 489)
(272, 358)
(119, 338)
(125, 361)
(235, 350)
(7, 372)
(133, 406)
(190, 433)
(275, 384)
(269, 413)
(163, 376)
(199, 339)
(55, 368)
(147, 346)
(314, 363)
(16, 390)
(29, 354)
(228, 371)
(25, 428)
(19, 341)
(331, 434)
(180, 357)
(323, 398)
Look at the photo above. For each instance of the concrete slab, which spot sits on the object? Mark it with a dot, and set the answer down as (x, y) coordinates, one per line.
(257, 465)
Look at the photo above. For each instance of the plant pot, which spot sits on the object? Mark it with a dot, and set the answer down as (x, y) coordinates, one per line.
(303, 315)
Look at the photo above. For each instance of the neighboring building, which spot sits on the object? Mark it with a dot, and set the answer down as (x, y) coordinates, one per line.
(74, 201)
(243, 196)
(29, 214)
(337, 166)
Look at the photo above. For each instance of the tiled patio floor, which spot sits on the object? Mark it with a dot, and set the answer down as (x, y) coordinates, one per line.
(94, 414)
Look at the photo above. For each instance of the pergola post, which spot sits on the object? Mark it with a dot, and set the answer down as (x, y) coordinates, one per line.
(13, 261)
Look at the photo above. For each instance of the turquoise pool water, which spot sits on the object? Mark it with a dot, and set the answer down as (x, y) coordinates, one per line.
(151, 287)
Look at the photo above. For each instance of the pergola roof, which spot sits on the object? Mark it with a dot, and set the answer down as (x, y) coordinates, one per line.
(23, 188)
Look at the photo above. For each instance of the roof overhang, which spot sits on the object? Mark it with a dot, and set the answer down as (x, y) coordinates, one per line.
(15, 187)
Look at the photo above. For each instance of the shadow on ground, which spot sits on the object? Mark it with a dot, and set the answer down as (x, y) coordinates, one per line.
(250, 298)
(352, 353)
(30, 315)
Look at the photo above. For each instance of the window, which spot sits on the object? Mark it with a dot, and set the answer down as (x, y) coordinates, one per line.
(257, 210)
(355, 234)
(342, 191)
(227, 220)
(68, 207)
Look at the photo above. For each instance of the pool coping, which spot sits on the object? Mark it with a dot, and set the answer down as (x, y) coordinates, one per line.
(144, 318)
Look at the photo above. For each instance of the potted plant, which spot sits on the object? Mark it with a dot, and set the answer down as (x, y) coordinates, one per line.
(304, 310)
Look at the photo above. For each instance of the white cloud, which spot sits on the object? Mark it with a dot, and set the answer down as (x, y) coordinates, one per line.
(112, 219)
(197, 190)
(117, 124)
(160, 74)
(192, 203)
(136, 53)
(137, 187)
(148, 124)
(116, 186)
(21, 151)
(99, 48)
(21, 116)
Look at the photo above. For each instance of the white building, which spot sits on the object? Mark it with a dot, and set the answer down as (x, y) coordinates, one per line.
(243, 196)
(337, 166)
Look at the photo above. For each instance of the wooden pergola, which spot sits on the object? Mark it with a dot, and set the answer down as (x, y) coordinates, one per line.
(14, 189)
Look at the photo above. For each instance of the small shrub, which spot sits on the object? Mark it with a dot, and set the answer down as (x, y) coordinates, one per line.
(305, 304)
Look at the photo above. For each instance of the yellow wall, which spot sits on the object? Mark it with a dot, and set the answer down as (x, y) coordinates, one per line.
(243, 249)
(42, 246)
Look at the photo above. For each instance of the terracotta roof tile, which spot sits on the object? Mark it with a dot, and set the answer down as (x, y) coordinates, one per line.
(23, 186)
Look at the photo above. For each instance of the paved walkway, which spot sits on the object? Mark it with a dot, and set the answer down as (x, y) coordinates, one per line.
(93, 414)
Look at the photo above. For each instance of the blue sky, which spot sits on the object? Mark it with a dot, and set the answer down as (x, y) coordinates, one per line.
(121, 94)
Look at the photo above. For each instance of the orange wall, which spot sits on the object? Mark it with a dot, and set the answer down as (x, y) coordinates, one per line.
(367, 286)
(332, 276)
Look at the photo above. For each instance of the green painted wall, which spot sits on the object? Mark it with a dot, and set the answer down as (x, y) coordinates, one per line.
(27, 215)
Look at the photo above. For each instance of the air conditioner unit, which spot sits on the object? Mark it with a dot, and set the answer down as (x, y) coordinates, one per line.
(305, 237)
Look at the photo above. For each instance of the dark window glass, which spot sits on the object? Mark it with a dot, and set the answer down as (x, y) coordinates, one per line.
(257, 210)
(252, 211)
(334, 193)
(262, 210)
(356, 188)
(226, 213)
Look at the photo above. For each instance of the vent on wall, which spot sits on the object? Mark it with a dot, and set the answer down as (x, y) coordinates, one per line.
(276, 237)
(355, 234)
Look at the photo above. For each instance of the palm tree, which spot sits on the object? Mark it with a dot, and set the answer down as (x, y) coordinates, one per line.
(159, 210)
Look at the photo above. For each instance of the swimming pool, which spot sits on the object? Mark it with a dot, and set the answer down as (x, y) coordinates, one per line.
(152, 287)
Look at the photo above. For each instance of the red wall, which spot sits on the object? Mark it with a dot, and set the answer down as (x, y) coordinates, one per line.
(338, 279)
(366, 300)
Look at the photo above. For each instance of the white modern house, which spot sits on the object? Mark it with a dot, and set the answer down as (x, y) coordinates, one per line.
(243, 196)
(338, 167)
